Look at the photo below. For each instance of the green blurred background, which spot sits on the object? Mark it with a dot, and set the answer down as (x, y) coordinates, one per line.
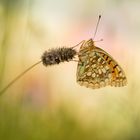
(47, 103)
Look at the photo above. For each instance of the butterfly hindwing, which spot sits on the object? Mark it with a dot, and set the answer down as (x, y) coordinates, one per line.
(97, 69)
(118, 77)
(93, 71)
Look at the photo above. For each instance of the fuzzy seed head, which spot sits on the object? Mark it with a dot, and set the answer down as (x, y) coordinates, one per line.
(56, 56)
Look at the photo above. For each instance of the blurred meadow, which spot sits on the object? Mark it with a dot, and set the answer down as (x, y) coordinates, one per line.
(47, 103)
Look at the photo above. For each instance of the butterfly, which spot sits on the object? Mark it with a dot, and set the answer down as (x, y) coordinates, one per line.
(96, 68)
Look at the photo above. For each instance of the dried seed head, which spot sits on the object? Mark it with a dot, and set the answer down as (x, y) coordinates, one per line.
(56, 56)
(51, 57)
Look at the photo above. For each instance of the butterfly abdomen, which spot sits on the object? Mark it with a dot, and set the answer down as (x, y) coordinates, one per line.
(56, 56)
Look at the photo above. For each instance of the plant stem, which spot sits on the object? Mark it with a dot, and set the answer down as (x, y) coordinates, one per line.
(18, 77)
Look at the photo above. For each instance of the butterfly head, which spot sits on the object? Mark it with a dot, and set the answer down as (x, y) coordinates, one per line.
(89, 44)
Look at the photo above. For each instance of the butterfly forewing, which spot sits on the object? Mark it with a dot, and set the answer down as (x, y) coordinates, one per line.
(97, 69)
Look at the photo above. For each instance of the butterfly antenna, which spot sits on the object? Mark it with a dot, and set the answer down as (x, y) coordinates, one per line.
(97, 27)
(17, 78)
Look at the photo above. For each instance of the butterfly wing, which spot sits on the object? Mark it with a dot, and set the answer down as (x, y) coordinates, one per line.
(97, 69)
(118, 77)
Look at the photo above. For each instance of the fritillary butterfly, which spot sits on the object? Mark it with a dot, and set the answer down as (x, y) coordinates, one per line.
(96, 68)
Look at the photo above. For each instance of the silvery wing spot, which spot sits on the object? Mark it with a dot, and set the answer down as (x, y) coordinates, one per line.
(97, 69)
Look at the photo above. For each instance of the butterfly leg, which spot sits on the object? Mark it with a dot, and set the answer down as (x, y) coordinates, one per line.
(75, 60)
(82, 42)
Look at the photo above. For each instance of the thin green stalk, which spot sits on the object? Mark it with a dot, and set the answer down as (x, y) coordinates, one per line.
(18, 77)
